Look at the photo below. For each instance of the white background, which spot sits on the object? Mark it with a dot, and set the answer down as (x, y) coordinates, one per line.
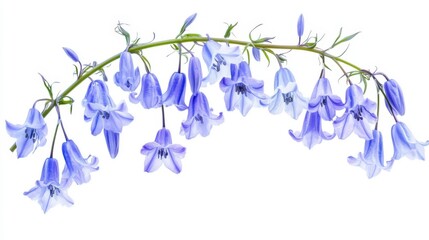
(248, 179)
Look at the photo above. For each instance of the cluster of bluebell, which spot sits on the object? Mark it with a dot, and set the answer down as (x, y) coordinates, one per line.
(226, 66)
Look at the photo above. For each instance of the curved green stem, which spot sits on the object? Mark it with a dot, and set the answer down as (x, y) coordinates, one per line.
(138, 47)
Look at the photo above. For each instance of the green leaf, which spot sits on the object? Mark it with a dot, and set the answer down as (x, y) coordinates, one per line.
(229, 30)
(48, 86)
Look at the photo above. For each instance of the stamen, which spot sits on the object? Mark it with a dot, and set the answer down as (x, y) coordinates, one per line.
(240, 88)
(288, 97)
(31, 133)
(162, 153)
(219, 61)
(199, 118)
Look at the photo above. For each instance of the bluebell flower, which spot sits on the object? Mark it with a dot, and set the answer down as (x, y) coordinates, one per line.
(287, 97)
(105, 115)
(127, 78)
(48, 191)
(175, 94)
(218, 59)
(358, 116)
(405, 144)
(163, 151)
(150, 95)
(71, 54)
(195, 74)
(323, 101)
(312, 132)
(30, 135)
(395, 97)
(372, 158)
(200, 117)
(241, 90)
(78, 168)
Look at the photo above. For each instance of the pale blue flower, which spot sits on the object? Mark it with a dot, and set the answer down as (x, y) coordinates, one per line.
(311, 133)
(150, 95)
(358, 117)
(200, 117)
(323, 100)
(97, 92)
(218, 59)
(256, 52)
(175, 94)
(287, 97)
(30, 135)
(163, 151)
(241, 90)
(195, 74)
(127, 78)
(300, 27)
(372, 158)
(48, 192)
(395, 97)
(405, 144)
(78, 168)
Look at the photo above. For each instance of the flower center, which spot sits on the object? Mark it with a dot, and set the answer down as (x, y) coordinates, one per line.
(105, 114)
(199, 118)
(324, 101)
(219, 60)
(53, 190)
(162, 153)
(240, 88)
(31, 133)
(288, 97)
(358, 113)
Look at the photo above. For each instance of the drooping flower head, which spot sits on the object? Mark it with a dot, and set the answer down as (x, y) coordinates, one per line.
(395, 97)
(405, 144)
(78, 168)
(311, 133)
(372, 159)
(30, 135)
(287, 97)
(105, 115)
(150, 95)
(127, 78)
(195, 74)
(218, 59)
(48, 192)
(200, 117)
(241, 90)
(163, 151)
(358, 116)
(323, 100)
(175, 94)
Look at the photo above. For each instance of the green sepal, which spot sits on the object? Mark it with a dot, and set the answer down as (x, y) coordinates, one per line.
(48, 86)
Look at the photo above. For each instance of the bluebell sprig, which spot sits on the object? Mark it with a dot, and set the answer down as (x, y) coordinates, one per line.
(227, 65)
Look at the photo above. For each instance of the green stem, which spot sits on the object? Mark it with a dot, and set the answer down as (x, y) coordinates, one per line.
(138, 47)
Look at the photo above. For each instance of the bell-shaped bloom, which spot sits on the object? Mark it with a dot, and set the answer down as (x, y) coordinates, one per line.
(78, 168)
(312, 132)
(358, 116)
(97, 92)
(395, 97)
(108, 118)
(405, 144)
(241, 90)
(29, 135)
(127, 78)
(200, 117)
(175, 94)
(163, 151)
(150, 95)
(100, 108)
(48, 191)
(324, 101)
(372, 158)
(287, 97)
(218, 59)
(195, 74)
